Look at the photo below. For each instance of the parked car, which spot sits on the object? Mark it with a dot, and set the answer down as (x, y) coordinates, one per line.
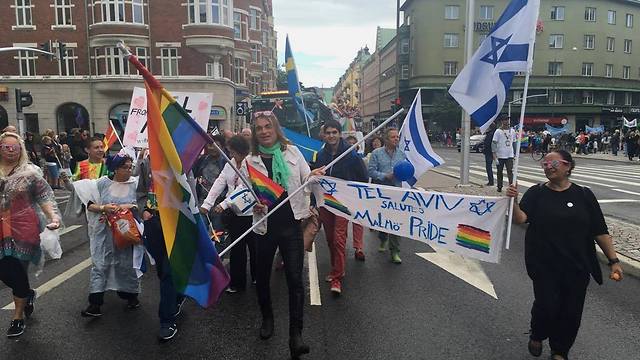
(476, 143)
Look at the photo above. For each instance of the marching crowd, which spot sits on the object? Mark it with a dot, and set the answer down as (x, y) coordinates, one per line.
(559, 262)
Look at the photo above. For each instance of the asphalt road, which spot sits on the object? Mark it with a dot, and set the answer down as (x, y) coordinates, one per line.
(615, 184)
(411, 311)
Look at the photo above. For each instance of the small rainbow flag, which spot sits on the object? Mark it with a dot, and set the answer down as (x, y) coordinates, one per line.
(110, 137)
(473, 238)
(268, 191)
(332, 202)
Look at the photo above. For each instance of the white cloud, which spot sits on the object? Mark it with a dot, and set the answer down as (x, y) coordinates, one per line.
(326, 35)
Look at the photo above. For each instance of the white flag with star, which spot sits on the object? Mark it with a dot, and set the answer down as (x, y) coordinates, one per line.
(482, 86)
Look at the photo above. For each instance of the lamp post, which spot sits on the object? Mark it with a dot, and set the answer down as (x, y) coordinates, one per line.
(466, 118)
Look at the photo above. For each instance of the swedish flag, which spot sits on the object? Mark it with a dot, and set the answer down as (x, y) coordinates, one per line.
(294, 85)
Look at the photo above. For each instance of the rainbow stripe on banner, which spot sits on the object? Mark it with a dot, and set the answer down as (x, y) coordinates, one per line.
(268, 191)
(473, 238)
(332, 202)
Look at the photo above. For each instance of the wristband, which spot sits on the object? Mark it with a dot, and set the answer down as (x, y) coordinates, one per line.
(613, 261)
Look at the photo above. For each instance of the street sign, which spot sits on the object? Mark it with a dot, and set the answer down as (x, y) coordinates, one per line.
(241, 108)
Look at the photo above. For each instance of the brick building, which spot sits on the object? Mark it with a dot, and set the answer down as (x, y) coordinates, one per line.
(224, 47)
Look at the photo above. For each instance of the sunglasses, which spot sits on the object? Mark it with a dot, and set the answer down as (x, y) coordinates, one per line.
(548, 164)
(10, 147)
(262, 113)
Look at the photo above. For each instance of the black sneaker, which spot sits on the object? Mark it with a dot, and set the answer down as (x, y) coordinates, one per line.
(28, 309)
(179, 306)
(133, 303)
(167, 332)
(231, 290)
(92, 311)
(16, 328)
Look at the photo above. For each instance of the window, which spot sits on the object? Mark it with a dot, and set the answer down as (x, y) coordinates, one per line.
(486, 12)
(209, 69)
(212, 12)
(587, 69)
(265, 64)
(608, 70)
(452, 12)
(628, 99)
(254, 19)
(240, 30)
(557, 13)
(404, 72)
(27, 61)
(240, 72)
(256, 53)
(587, 97)
(451, 68)
(110, 63)
(214, 70)
(137, 11)
(555, 97)
(629, 20)
(627, 46)
(254, 84)
(113, 11)
(169, 61)
(23, 13)
(626, 72)
(265, 38)
(68, 66)
(404, 46)
(451, 40)
(589, 42)
(556, 41)
(590, 14)
(611, 98)
(63, 12)
(611, 44)
(517, 95)
(555, 68)
(611, 17)
(142, 53)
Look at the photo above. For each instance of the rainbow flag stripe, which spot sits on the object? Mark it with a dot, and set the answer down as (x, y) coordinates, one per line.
(268, 191)
(473, 238)
(332, 202)
(175, 139)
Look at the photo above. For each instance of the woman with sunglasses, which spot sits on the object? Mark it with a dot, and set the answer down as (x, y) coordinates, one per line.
(24, 195)
(564, 220)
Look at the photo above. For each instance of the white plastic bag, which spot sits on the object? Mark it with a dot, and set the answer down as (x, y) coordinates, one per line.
(50, 243)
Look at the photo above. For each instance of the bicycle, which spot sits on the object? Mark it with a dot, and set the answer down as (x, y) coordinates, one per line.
(537, 154)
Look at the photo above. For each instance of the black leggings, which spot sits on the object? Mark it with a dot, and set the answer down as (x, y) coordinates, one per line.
(13, 273)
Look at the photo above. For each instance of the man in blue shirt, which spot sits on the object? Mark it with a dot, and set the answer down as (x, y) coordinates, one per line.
(381, 172)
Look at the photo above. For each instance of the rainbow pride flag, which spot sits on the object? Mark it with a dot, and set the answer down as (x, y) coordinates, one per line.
(268, 191)
(332, 202)
(175, 140)
(473, 238)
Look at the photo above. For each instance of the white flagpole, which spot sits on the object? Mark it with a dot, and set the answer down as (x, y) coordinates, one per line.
(237, 171)
(116, 133)
(348, 151)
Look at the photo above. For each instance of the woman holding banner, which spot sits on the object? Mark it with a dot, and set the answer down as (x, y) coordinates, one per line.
(283, 163)
(560, 256)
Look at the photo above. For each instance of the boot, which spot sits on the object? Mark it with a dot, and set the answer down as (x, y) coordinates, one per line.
(297, 346)
(266, 330)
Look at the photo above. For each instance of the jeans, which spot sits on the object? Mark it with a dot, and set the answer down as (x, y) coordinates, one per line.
(288, 239)
(238, 262)
(488, 160)
(358, 236)
(169, 297)
(501, 164)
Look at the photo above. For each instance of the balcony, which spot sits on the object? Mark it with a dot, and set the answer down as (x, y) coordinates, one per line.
(209, 39)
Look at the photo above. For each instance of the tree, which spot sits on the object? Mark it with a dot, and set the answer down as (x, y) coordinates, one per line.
(446, 113)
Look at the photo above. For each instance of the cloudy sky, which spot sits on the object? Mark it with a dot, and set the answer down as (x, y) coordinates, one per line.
(325, 35)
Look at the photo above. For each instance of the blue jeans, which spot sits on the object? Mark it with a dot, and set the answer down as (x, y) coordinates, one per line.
(169, 297)
(488, 160)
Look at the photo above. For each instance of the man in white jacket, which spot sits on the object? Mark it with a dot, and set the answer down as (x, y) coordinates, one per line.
(502, 147)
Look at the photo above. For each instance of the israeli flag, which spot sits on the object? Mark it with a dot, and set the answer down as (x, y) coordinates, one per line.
(415, 143)
(481, 87)
(630, 124)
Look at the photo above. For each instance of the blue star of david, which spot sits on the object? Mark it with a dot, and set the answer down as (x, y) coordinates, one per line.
(329, 187)
(496, 44)
(481, 207)
(246, 199)
(406, 145)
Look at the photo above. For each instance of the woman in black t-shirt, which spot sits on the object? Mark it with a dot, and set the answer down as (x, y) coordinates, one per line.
(560, 256)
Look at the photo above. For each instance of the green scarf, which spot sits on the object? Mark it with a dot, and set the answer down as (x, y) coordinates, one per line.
(278, 165)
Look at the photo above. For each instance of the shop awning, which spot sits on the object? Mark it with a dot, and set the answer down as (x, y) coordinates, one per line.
(541, 120)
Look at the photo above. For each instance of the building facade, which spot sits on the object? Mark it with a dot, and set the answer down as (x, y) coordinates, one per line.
(379, 79)
(586, 64)
(224, 47)
(347, 92)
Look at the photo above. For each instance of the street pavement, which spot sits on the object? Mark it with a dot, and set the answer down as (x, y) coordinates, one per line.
(416, 310)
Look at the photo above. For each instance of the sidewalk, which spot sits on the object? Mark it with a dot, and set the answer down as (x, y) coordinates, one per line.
(626, 236)
(608, 157)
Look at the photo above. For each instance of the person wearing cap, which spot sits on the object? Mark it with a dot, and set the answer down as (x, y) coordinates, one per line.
(502, 147)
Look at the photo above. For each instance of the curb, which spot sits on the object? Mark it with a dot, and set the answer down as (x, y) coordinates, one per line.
(622, 160)
(630, 266)
(454, 177)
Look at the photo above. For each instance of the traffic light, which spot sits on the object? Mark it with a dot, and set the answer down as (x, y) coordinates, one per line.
(47, 46)
(62, 50)
(23, 99)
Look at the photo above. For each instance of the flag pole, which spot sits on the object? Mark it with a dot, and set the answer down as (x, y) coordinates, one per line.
(345, 153)
(116, 133)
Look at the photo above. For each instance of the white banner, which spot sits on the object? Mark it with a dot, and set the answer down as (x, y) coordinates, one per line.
(198, 105)
(471, 226)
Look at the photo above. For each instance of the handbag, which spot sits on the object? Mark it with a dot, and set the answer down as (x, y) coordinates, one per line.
(124, 229)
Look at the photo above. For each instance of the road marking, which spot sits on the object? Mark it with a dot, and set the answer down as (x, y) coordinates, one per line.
(597, 178)
(69, 229)
(626, 192)
(468, 270)
(314, 286)
(611, 201)
(534, 175)
(610, 171)
(56, 281)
